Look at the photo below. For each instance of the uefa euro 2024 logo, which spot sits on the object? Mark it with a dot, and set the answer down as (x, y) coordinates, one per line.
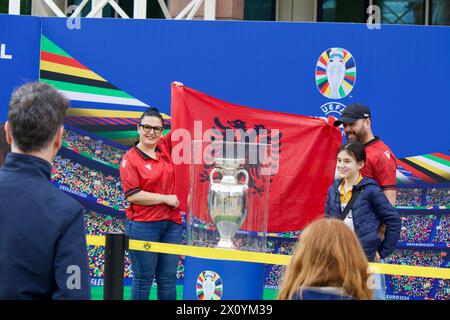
(335, 73)
(209, 286)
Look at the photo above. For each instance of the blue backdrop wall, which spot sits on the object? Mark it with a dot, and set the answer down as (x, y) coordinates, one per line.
(19, 55)
(401, 71)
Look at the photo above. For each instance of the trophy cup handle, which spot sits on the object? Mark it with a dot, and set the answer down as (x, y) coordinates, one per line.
(211, 174)
(243, 171)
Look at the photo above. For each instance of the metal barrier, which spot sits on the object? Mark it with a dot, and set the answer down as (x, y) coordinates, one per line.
(115, 245)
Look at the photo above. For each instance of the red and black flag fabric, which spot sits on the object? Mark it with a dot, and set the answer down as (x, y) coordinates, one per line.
(305, 150)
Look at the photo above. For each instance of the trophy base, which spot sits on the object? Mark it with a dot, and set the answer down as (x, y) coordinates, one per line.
(226, 244)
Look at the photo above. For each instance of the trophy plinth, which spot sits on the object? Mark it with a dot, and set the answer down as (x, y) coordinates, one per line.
(226, 244)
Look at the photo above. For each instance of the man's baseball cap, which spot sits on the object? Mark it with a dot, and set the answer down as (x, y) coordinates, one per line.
(352, 113)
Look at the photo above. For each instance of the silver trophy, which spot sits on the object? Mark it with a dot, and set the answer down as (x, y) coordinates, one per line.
(228, 200)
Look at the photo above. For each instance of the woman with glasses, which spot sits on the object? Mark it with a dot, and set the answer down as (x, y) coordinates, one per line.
(148, 181)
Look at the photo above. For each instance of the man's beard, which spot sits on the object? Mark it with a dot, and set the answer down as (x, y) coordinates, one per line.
(360, 136)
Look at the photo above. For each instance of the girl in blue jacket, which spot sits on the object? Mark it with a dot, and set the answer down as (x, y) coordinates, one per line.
(370, 206)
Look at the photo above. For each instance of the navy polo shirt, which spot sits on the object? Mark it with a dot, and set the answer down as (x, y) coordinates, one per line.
(43, 252)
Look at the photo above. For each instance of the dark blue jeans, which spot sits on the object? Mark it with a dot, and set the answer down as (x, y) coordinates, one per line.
(145, 265)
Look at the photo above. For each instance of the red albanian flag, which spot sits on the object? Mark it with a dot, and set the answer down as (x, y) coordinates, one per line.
(304, 150)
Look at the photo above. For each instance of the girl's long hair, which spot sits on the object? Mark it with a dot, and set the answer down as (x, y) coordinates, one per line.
(327, 255)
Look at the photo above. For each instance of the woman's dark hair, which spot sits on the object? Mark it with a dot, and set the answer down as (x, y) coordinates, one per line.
(36, 112)
(4, 146)
(356, 149)
(152, 112)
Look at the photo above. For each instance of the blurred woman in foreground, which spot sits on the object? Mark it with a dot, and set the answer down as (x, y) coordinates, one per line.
(328, 264)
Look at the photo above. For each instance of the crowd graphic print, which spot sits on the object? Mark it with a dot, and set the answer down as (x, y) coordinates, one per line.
(423, 181)
(424, 208)
(321, 76)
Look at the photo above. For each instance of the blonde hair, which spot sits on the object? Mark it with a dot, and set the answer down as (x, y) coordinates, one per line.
(328, 254)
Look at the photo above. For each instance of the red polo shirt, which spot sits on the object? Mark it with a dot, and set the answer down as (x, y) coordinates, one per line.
(381, 164)
(138, 171)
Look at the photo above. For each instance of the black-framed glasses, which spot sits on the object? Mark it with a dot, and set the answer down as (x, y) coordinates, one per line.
(147, 128)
